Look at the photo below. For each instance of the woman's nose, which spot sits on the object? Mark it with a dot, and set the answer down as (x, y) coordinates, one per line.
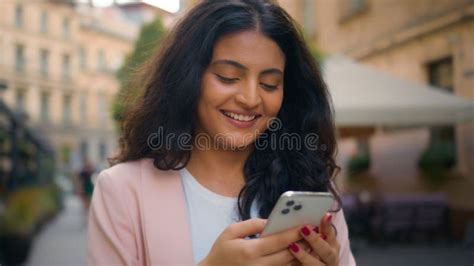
(249, 96)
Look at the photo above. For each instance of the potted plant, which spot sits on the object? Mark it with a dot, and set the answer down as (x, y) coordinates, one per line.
(436, 162)
(358, 163)
(26, 210)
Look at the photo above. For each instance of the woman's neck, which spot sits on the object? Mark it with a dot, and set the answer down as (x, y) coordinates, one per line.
(220, 171)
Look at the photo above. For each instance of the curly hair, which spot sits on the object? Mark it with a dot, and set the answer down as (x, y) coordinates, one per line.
(170, 89)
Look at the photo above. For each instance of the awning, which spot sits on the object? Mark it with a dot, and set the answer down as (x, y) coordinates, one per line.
(363, 96)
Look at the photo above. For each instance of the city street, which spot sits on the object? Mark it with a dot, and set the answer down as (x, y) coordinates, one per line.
(63, 241)
(426, 254)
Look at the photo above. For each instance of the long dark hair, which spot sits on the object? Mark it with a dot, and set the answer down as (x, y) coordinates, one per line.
(171, 89)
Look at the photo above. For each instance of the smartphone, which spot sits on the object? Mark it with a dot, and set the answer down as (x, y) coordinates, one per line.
(295, 208)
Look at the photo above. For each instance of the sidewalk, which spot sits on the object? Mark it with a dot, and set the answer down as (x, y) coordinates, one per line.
(63, 241)
(416, 254)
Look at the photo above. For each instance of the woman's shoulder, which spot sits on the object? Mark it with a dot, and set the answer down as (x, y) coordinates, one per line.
(132, 173)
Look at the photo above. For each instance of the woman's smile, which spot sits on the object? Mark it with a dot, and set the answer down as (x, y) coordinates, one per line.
(241, 119)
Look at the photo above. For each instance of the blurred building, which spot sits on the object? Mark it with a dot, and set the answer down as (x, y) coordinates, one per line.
(57, 65)
(141, 12)
(428, 41)
(425, 41)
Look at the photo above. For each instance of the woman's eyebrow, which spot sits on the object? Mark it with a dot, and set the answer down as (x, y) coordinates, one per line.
(240, 66)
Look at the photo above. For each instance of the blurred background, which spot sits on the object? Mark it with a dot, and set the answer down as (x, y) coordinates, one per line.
(401, 74)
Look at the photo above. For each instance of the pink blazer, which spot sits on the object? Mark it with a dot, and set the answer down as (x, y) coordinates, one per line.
(138, 216)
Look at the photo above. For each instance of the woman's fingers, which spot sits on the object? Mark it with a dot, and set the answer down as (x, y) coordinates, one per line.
(303, 256)
(304, 245)
(323, 249)
(328, 231)
(244, 229)
(276, 242)
(282, 257)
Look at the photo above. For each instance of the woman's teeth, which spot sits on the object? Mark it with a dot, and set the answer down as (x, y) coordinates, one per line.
(244, 118)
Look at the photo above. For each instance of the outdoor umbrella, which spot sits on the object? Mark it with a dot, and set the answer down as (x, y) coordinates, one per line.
(363, 96)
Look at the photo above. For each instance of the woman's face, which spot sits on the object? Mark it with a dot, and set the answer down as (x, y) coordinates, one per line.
(241, 90)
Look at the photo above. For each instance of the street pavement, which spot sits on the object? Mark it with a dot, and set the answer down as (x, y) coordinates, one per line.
(435, 253)
(63, 241)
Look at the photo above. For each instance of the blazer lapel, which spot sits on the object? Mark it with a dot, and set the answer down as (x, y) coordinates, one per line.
(166, 225)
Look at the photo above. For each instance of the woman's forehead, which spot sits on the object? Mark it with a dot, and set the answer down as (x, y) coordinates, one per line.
(251, 49)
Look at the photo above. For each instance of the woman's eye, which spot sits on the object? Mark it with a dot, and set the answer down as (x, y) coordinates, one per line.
(226, 79)
(269, 87)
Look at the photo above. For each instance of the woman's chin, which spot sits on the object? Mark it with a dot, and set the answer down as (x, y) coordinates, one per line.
(235, 143)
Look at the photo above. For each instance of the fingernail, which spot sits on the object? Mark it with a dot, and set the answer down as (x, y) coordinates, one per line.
(329, 217)
(293, 247)
(324, 237)
(305, 231)
(316, 229)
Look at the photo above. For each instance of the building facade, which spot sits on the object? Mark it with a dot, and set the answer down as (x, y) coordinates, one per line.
(57, 66)
(426, 41)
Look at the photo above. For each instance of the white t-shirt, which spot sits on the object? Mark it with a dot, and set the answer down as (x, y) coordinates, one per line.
(209, 214)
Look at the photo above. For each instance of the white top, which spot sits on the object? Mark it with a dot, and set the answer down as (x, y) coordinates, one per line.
(209, 214)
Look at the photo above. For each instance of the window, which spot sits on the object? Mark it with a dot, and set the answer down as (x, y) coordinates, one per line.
(84, 149)
(19, 16)
(82, 107)
(82, 58)
(44, 62)
(20, 60)
(44, 106)
(66, 67)
(67, 99)
(44, 22)
(20, 99)
(102, 107)
(356, 5)
(351, 8)
(101, 63)
(66, 28)
(440, 75)
(3, 85)
(102, 150)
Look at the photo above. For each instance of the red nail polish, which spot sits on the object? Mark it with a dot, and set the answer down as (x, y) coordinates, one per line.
(324, 237)
(329, 217)
(316, 229)
(294, 247)
(305, 231)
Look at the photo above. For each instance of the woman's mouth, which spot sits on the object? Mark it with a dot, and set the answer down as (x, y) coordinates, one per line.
(241, 120)
(244, 118)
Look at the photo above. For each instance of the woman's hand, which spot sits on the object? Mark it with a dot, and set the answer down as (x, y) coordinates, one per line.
(323, 245)
(231, 247)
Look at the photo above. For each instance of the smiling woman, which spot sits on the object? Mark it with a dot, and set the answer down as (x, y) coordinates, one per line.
(228, 72)
(242, 89)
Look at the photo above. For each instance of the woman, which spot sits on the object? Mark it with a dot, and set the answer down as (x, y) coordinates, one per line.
(83, 182)
(202, 159)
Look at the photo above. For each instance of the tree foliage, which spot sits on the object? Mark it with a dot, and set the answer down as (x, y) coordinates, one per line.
(148, 41)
